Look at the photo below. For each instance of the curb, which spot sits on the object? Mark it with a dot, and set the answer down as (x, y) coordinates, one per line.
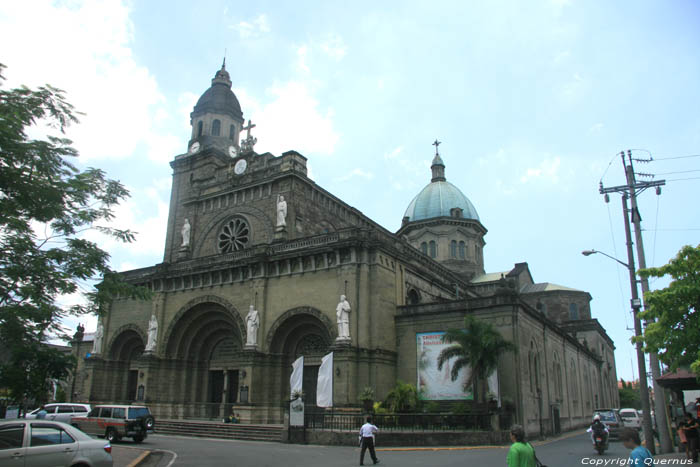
(139, 460)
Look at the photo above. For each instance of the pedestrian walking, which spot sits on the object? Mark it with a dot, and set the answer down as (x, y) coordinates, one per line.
(691, 427)
(639, 455)
(367, 432)
(521, 453)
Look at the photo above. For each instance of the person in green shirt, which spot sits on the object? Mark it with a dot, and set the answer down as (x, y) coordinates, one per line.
(521, 453)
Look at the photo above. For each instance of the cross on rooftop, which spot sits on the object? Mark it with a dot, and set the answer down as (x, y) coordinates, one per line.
(248, 128)
(436, 144)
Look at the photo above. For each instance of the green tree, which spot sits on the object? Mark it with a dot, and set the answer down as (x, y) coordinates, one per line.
(673, 313)
(478, 347)
(629, 396)
(46, 206)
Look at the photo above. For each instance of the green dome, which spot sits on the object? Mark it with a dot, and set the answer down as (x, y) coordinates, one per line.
(436, 200)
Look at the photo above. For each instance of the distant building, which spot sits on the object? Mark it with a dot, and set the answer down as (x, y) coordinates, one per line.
(248, 229)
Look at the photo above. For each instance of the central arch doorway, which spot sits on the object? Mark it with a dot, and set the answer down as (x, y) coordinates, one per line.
(204, 347)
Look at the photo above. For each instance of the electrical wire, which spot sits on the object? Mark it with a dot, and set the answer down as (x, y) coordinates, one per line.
(678, 172)
(679, 179)
(617, 270)
(675, 157)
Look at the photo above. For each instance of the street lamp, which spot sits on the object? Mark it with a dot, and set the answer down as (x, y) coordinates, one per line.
(636, 305)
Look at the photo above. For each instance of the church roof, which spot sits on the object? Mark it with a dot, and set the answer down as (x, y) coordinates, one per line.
(219, 98)
(546, 287)
(436, 200)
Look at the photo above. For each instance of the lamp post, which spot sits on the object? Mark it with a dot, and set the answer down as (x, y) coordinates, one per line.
(636, 306)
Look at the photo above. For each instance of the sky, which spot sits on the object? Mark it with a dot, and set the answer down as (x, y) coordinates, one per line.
(532, 101)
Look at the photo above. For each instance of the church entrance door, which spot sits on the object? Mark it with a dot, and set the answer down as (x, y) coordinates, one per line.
(216, 392)
(308, 385)
(232, 386)
(131, 385)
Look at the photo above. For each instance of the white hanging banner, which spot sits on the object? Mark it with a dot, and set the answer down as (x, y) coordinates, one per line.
(494, 387)
(324, 385)
(297, 378)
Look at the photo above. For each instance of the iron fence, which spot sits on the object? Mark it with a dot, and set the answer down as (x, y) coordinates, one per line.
(399, 422)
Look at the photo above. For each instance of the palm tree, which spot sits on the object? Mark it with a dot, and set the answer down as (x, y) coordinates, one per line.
(477, 346)
(403, 398)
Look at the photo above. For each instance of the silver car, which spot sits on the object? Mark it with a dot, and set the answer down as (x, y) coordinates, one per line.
(61, 411)
(41, 443)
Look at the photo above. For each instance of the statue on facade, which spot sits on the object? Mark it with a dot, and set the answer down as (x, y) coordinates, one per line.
(342, 313)
(79, 333)
(152, 334)
(186, 230)
(252, 325)
(97, 343)
(281, 211)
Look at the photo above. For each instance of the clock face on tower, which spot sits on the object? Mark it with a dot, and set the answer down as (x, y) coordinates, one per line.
(232, 151)
(240, 166)
(194, 147)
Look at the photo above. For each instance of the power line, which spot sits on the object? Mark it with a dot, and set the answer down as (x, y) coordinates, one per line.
(670, 230)
(678, 172)
(680, 179)
(675, 157)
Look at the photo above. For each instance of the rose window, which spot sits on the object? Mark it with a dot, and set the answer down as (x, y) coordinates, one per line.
(234, 236)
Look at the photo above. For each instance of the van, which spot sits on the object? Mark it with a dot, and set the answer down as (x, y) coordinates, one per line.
(631, 418)
(61, 411)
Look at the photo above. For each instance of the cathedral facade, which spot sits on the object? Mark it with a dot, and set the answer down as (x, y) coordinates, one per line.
(262, 265)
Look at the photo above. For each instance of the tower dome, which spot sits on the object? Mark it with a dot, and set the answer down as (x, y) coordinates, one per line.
(442, 223)
(217, 117)
(439, 198)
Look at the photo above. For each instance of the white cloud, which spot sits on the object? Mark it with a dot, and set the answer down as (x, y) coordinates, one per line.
(562, 57)
(354, 173)
(574, 88)
(548, 171)
(250, 29)
(334, 47)
(394, 153)
(302, 53)
(290, 118)
(596, 128)
(84, 49)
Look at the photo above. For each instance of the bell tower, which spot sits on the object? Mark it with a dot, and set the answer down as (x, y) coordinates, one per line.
(217, 118)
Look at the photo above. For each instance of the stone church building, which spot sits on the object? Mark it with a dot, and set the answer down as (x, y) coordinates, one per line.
(257, 256)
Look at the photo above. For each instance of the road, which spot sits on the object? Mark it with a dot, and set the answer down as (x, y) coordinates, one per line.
(568, 451)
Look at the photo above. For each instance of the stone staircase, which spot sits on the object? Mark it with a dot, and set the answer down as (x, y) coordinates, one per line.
(217, 430)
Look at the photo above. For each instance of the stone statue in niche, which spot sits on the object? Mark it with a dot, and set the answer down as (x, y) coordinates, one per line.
(79, 333)
(152, 334)
(252, 325)
(186, 231)
(281, 212)
(97, 343)
(342, 313)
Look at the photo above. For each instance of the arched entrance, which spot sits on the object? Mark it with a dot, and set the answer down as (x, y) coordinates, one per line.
(204, 345)
(301, 332)
(125, 349)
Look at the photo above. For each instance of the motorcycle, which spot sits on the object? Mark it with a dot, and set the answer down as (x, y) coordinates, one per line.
(601, 443)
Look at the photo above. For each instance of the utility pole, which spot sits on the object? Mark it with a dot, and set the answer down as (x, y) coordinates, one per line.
(659, 395)
(629, 190)
(641, 362)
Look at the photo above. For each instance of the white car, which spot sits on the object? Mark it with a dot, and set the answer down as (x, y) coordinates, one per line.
(61, 411)
(631, 418)
(42, 443)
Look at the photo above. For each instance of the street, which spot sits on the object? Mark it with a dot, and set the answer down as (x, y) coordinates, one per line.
(571, 449)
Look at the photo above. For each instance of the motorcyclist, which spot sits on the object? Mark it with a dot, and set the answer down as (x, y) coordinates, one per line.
(598, 428)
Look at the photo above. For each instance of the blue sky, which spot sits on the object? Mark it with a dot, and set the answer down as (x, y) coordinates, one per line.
(532, 101)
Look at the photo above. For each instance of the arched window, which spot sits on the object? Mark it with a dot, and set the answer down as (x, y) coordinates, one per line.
(216, 128)
(573, 311)
(232, 132)
(200, 126)
(453, 249)
(462, 250)
(424, 248)
(433, 249)
(412, 297)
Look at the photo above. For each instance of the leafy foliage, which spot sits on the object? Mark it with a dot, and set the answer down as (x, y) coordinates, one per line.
(478, 346)
(47, 205)
(673, 313)
(629, 396)
(404, 398)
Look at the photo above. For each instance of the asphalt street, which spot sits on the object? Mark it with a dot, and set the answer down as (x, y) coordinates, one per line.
(570, 450)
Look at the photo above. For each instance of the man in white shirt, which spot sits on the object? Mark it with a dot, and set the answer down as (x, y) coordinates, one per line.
(367, 433)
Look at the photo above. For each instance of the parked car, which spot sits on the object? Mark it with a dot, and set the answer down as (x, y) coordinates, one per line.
(630, 418)
(42, 442)
(612, 420)
(115, 422)
(61, 411)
